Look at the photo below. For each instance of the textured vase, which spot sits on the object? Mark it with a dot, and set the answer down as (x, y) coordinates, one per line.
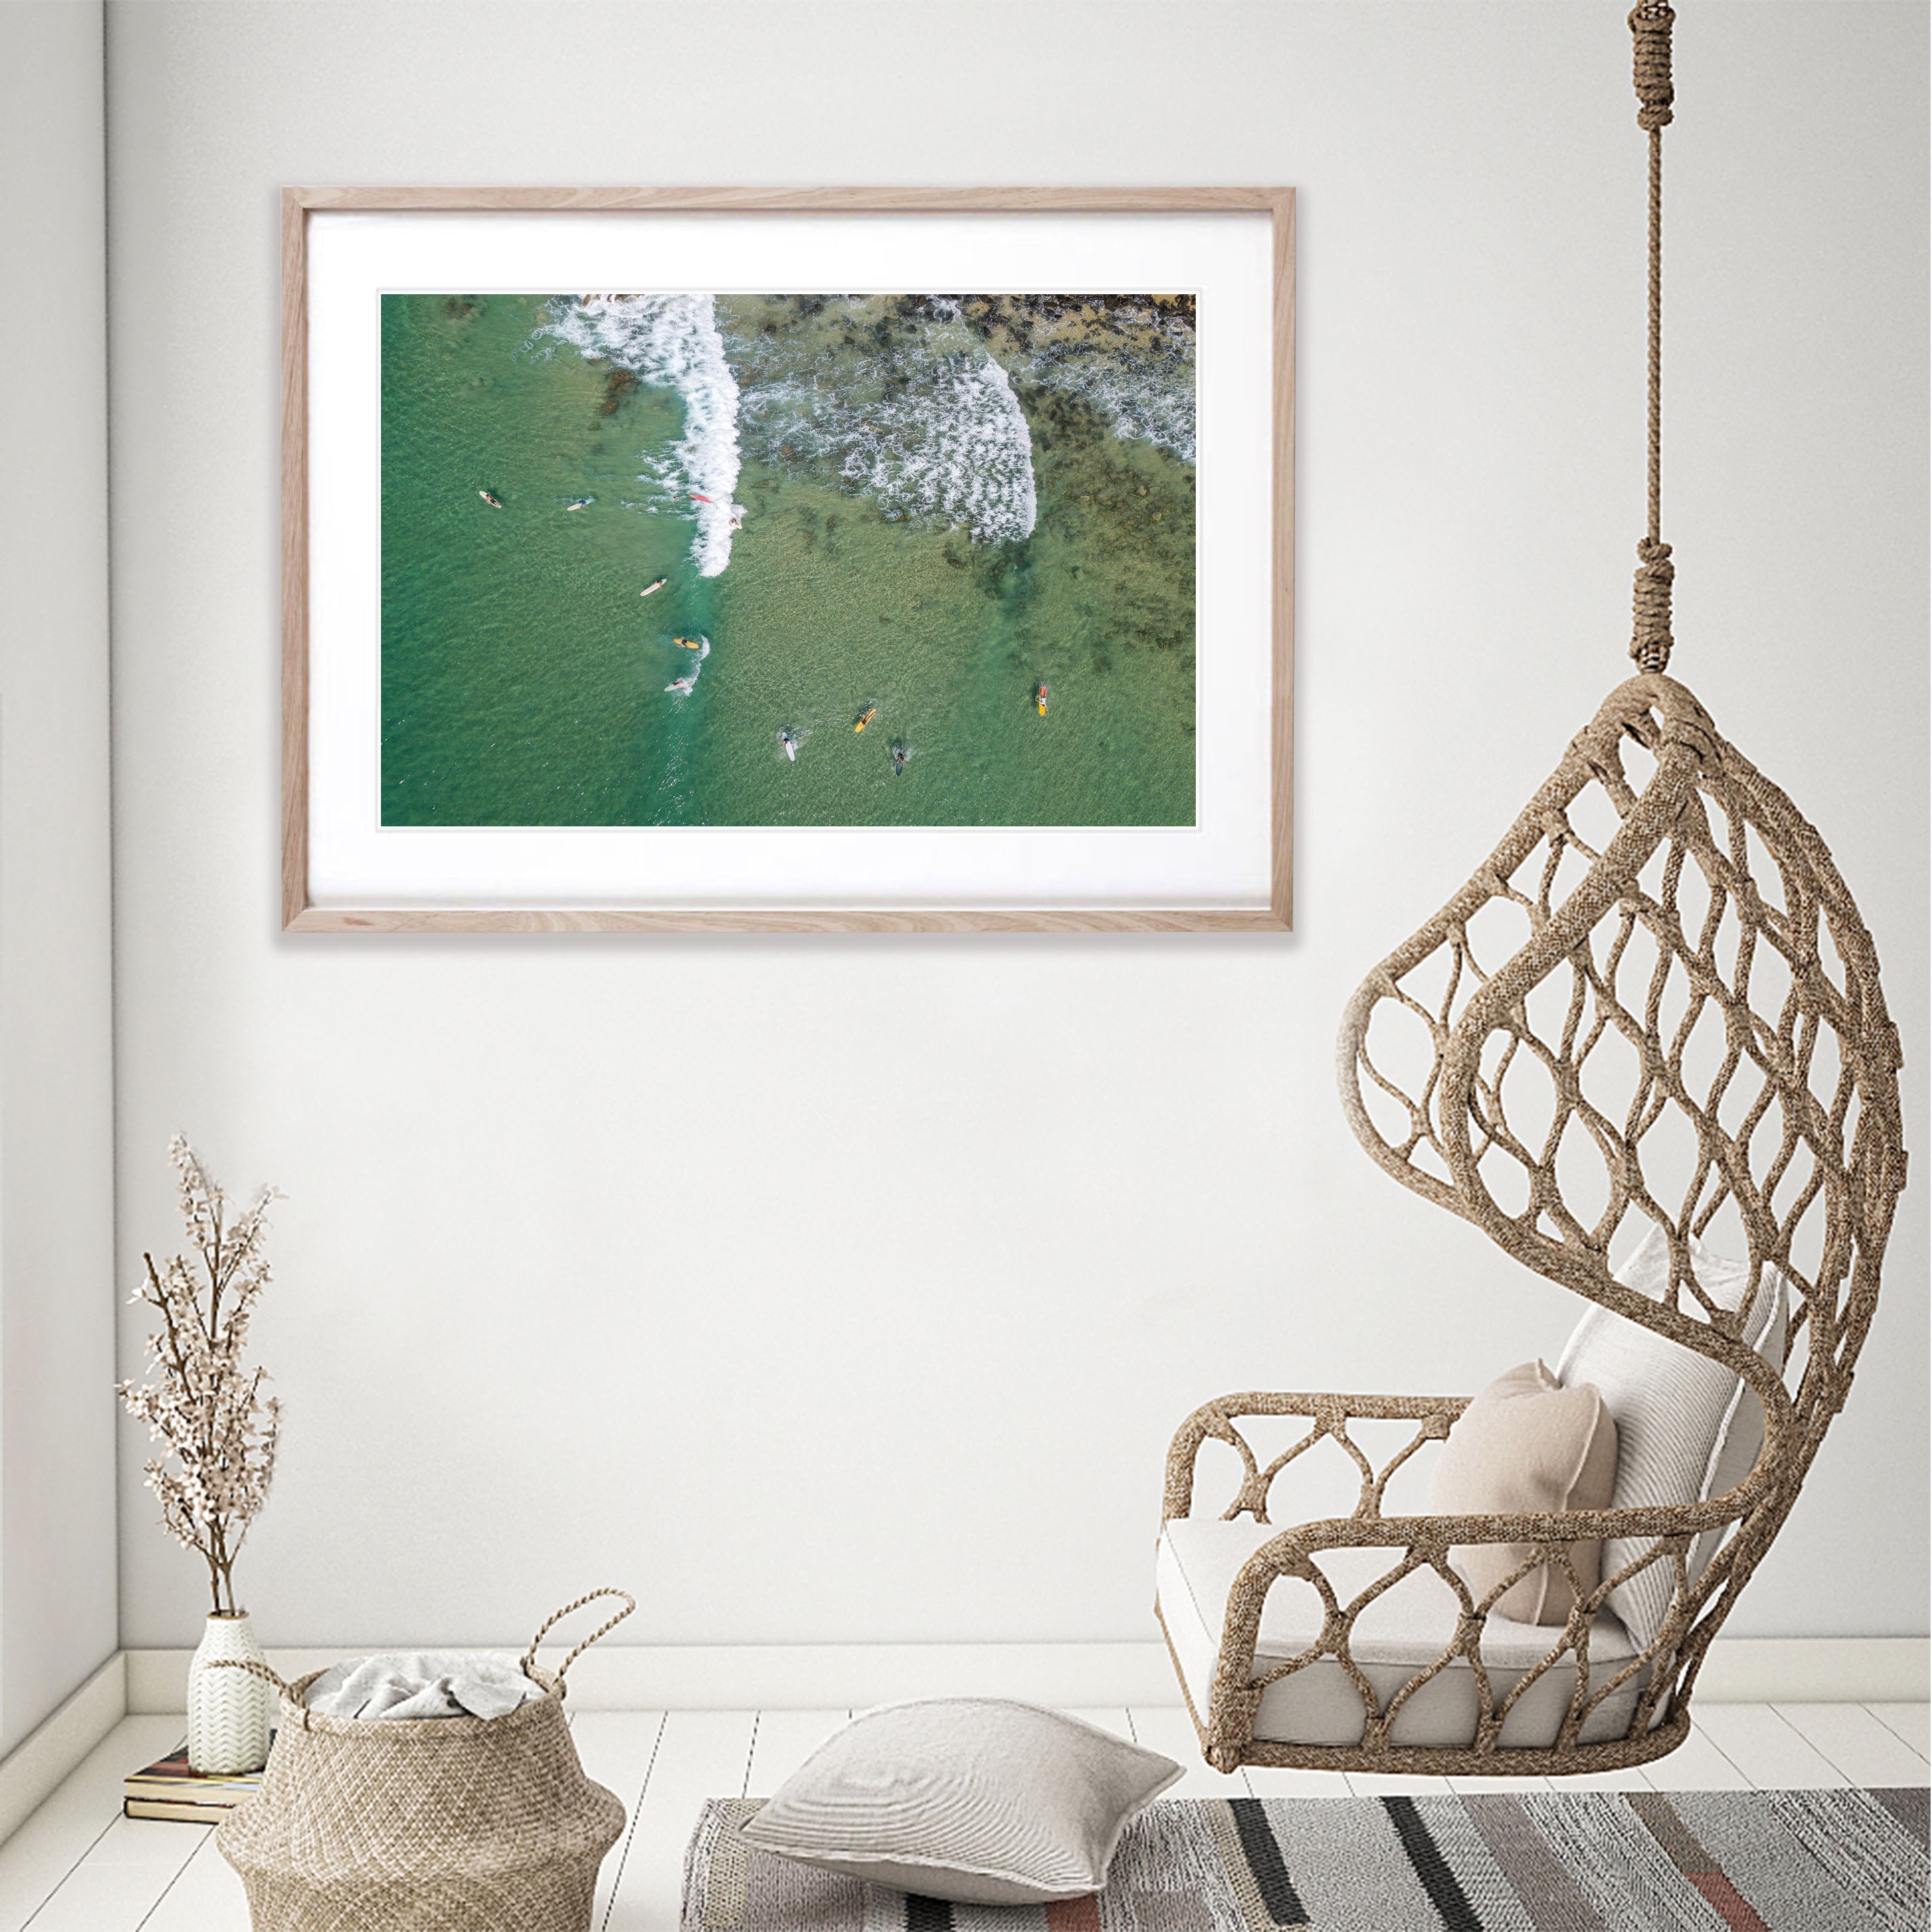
(229, 1712)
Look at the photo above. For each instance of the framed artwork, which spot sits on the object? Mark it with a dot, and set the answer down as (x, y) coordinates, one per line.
(789, 560)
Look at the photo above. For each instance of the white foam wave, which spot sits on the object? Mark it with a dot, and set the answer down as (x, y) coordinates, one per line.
(951, 443)
(673, 340)
(961, 452)
(1153, 402)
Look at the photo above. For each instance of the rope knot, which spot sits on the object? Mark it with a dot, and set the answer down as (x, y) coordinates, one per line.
(1651, 640)
(1650, 24)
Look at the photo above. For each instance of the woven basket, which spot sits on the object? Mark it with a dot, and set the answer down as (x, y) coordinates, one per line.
(436, 1824)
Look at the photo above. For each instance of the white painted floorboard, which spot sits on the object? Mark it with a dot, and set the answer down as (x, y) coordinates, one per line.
(35, 1861)
(1636, 1778)
(784, 1739)
(130, 1866)
(702, 1754)
(1766, 1749)
(1696, 1764)
(1912, 1722)
(617, 1749)
(1854, 1743)
(77, 1866)
(1397, 1784)
(1270, 1780)
(205, 1896)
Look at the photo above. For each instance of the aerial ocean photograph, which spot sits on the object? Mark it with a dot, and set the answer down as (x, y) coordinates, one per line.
(768, 560)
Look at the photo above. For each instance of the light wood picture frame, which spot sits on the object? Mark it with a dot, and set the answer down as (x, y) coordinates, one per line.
(332, 618)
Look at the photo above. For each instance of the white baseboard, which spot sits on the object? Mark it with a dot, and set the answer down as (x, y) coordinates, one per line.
(40, 1764)
(1816, 1670)
(769, 1677)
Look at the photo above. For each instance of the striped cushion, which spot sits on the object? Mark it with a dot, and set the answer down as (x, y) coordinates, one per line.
(1687, 1428)
(973, 1800)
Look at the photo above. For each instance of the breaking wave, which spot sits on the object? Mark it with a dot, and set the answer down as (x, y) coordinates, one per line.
(672, 340)
(1143, 406)
(952, 445)
(921, 418)
(1131, 358)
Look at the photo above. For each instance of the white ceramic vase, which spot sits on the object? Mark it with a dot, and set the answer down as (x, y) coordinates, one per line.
(229, 1712)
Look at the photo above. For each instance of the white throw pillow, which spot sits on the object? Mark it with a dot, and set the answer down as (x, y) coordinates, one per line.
(1687, 1429)
(973, 1800)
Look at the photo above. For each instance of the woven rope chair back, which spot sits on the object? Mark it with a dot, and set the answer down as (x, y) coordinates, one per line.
(1656, 1003)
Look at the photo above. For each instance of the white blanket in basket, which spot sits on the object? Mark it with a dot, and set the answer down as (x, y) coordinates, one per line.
(422, 1684)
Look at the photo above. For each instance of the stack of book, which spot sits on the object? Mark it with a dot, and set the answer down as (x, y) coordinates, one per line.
(170, 1789)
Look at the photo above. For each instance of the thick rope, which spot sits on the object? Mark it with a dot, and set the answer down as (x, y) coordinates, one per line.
(1650, 605)
(630, 1603)
(1651, 640)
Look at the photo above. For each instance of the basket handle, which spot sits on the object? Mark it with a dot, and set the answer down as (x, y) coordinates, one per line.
(253, 1669)
(630, 1603)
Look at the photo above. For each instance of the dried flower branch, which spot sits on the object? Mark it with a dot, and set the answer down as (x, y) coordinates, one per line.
(219, 1430)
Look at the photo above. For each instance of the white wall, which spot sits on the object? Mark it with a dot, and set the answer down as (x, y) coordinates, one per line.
(57, 1503)
(571, 1290)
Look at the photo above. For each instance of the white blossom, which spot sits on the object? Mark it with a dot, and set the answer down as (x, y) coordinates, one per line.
(219, 1430)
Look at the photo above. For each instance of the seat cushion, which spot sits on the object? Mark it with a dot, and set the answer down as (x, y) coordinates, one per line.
(1402, 1631)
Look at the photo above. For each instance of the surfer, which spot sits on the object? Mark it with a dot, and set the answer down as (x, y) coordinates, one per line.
(495, 502)
(866, 717)
(658, 586)
(582, 502)
(791, 744)
(900, 754)
(1039, 698)
(683, 686)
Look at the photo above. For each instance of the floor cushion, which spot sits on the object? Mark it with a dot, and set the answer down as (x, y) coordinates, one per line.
(976, 1800)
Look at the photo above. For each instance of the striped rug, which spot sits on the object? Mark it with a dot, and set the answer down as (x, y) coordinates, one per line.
(1565, 1861)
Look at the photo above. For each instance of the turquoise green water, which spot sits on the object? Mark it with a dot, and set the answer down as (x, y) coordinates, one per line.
(524, 678)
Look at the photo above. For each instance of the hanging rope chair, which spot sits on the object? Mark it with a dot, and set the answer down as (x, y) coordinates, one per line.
(1653, 1009)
